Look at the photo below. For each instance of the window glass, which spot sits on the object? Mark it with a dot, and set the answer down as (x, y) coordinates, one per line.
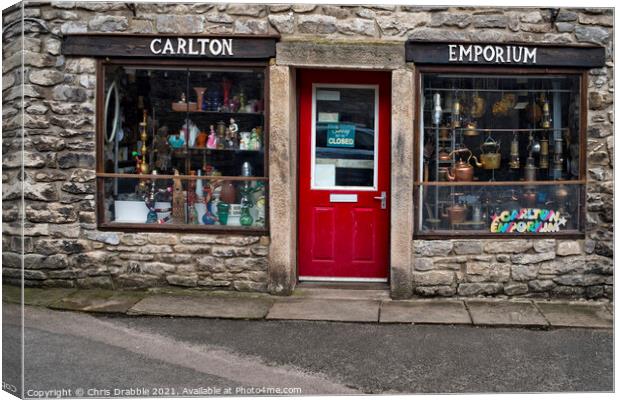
(492, 144)
(344, 141)
(193, 138)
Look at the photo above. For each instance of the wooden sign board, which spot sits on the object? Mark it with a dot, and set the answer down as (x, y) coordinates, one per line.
(161, 46)
(504, 54)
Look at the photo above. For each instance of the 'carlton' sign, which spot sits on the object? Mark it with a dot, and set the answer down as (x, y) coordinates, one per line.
(192, 46)
(170, 46)
(504, 54)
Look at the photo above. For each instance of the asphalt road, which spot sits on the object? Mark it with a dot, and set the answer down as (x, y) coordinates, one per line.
(72, 350)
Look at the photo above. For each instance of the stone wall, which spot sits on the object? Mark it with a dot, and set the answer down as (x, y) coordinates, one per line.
(512, 267)
(63, 247)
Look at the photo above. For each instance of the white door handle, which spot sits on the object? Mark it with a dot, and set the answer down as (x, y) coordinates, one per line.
(383, 199)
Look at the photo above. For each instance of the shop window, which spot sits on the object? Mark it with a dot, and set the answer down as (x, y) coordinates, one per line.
(500, 154)
(182, 148)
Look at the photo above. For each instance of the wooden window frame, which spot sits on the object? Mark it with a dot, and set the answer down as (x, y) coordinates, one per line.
(494, 70)
(101, 175)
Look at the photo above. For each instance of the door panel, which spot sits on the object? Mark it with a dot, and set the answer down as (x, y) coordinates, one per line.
(344, 167)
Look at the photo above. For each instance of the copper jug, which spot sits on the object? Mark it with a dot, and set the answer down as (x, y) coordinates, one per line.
(471, 129)
(444, 132)
(443, 155)
(463, 171)
(456, 213)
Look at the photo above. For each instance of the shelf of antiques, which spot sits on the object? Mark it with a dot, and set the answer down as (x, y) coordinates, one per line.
(184, 148)
(498, 145)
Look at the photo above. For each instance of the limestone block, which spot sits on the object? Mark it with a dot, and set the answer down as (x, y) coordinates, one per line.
(431, 278)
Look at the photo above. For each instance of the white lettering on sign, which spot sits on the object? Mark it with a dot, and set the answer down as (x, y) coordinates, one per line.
(491, 54)
(192, 47)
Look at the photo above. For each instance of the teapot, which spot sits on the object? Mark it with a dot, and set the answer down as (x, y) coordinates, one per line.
(490, 157)
(463, 171)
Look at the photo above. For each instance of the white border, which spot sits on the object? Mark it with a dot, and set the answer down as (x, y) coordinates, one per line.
(375, 186)
(338, 279)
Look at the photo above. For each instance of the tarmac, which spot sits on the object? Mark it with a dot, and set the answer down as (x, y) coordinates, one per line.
(321, 304)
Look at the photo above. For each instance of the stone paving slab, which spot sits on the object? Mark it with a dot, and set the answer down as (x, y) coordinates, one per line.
(34, 296)
(576, 315)
(424, 312)
(343, 310)
(96, 300)
(505, 313)
(206, 306)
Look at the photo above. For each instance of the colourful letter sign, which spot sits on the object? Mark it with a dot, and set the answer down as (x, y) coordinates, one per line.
(527, 220)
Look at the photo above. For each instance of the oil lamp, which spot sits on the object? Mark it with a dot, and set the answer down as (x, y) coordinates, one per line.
(545, 122)
(456, 113)
(514, 153)
(544, 153)
(437, 111)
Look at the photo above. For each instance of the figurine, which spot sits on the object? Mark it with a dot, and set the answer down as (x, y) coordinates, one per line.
(212, 140)
(176, 141)
(221, 134)
(162, 148)
(201, 139)
(234, 133)
(254, 141)
(178, 200)
(244, 142)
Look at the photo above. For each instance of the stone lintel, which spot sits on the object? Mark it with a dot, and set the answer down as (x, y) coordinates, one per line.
(335, 54)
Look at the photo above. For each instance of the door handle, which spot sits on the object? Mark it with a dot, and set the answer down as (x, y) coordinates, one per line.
(383, 199)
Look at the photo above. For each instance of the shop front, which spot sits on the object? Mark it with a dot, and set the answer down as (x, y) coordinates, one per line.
(256, 152)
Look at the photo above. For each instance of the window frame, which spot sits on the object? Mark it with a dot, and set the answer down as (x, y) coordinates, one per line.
(101, 175)
(582, 182)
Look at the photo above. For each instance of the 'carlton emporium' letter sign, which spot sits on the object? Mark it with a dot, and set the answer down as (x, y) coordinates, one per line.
(504, 54)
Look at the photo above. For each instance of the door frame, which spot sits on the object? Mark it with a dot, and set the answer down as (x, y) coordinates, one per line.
(345, 281)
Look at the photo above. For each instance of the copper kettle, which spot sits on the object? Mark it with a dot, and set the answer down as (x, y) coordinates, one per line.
(463, 171)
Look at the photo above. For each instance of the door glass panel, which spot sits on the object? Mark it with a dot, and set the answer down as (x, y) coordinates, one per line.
(345, 123)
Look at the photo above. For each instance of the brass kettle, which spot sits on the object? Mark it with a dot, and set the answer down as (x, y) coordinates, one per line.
(490, 157)
(462, 171)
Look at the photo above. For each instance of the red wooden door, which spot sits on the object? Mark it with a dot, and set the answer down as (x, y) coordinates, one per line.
(344, 175)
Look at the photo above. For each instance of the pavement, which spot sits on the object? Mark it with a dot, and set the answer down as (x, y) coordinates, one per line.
(101, 354)
(320, 304)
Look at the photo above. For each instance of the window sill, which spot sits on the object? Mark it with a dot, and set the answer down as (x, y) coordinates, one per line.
(182, 228)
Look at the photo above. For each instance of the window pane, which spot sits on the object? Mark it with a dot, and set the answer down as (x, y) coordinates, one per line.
(506, 210)
(497, 128)
(218, 203)
(344, 143)
(194, 122)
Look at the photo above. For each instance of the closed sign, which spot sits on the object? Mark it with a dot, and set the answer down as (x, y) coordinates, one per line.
(340, 135)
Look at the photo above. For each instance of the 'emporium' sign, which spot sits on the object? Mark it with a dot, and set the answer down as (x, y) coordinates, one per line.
(492, 54)
(504, 54)
(192, 46)
(527, 220)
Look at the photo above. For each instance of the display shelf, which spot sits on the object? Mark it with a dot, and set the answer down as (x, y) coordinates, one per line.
(182, 152)
(227, 113)
(502, 130)
(517, 91)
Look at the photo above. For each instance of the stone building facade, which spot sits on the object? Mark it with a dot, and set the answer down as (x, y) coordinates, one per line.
(53, 164)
